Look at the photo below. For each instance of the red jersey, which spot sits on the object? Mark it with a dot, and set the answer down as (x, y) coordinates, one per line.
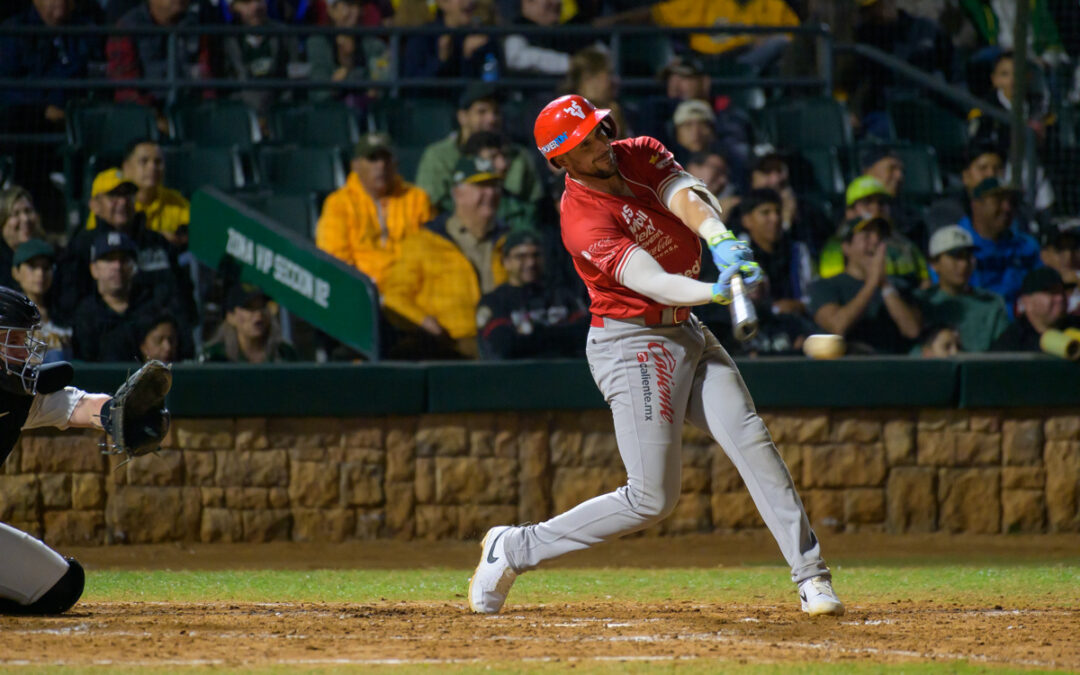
(601, 230)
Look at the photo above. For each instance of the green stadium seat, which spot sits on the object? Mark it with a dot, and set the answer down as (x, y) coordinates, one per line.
(225, 123)
(7, 170)
(408, 161)
(188, 168)
(818, 170)
(922, 174)
(924, 122)
(296, 170)
(106, 129)
(297, 213)
(644, 55)
(324, 124)
(415, 120)
(801, 124)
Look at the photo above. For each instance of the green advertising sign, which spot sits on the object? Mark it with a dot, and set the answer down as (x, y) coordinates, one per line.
(310, 283)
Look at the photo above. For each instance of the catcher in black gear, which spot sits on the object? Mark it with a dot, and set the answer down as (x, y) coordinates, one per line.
(34, 579)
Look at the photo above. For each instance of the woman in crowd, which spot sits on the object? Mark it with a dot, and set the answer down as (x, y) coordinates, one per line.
(19, 222)
(249, 334)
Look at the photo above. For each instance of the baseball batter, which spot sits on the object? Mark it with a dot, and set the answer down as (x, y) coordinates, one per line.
(632, 220)
(34, 579)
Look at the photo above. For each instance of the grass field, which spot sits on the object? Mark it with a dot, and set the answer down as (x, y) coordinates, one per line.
(1014, 586)
(904, 618)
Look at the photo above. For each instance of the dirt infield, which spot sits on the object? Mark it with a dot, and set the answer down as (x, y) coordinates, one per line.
(252, 635)
(1037, 633)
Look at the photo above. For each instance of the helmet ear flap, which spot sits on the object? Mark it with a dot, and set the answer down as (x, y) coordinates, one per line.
(609, 127)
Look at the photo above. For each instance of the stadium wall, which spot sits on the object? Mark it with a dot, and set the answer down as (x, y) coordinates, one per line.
(451, 475)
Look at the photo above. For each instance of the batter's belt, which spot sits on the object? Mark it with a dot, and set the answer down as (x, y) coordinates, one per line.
(668, 316)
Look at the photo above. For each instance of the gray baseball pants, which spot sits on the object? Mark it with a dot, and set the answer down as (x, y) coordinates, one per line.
(654, 379)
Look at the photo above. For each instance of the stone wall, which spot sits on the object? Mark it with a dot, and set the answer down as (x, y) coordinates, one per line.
(452, 476)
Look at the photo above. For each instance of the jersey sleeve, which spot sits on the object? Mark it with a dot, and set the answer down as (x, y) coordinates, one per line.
(654, 166)
(55, 409)
(595, 237)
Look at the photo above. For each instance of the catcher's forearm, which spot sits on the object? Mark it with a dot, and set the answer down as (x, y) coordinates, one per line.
(87, 411)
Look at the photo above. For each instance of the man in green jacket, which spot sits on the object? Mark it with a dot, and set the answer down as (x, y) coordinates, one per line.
(478, 110)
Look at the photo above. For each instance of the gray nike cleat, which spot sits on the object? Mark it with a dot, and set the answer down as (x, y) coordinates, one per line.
(493, 577)
(818, 597)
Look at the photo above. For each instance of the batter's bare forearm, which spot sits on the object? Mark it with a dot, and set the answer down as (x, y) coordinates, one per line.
(87, 413)
(698, 212)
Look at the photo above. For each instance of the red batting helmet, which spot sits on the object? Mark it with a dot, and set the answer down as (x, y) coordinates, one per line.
(566, 121)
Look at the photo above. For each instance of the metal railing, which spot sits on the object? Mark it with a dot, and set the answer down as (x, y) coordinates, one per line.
(614, 36)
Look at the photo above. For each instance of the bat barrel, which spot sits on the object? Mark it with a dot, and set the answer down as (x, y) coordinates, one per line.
(744, 321)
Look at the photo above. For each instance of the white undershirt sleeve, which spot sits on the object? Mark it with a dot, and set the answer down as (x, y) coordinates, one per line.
(55, 409)
(642, 274)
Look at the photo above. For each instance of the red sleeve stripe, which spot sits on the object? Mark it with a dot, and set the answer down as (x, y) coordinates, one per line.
(622, 262)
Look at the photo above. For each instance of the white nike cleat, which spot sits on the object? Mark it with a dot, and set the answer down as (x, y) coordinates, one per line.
(818, 597)
(493, 577)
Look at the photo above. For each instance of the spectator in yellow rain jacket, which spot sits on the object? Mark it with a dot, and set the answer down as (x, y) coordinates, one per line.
(167, 211)
(365, 222)
(430, 294)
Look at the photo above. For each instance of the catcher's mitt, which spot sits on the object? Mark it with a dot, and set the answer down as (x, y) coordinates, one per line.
(136, 418)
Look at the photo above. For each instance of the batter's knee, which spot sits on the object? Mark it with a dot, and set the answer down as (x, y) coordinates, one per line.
(653, 506)
(60, 598)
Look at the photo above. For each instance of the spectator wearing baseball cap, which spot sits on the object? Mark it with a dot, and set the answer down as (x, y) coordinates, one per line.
(868, 197)
(431, 292)
(1039, 307)
(883, 163)
(1003, 252)
(104, 321)
(874, 311)
(694, 125)
(1060, 249)
(981, 161)
(32, 269)
(978, 315)
(250, 332)
(364, 222)
(479, 109)
(524, 317)
(112, 201)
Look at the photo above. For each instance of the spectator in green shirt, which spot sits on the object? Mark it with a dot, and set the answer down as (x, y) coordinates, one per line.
(977, 314)
(479, 109)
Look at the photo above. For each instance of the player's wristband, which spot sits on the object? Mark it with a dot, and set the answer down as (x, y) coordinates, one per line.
(712, 230)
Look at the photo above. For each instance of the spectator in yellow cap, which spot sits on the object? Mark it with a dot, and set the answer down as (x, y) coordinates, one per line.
(112, 201)
(165, 209)
(867, 197)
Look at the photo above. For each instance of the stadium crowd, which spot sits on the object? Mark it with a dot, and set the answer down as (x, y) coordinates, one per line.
(461, 235)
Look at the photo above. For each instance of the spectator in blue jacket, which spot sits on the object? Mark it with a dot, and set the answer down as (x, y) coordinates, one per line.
(36, 57)
(1004, 254)
(473, 56)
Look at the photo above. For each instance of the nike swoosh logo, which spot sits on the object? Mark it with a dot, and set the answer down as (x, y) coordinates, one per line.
(491, 558)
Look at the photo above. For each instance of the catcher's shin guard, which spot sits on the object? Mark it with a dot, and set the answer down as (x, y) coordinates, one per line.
(57, 600)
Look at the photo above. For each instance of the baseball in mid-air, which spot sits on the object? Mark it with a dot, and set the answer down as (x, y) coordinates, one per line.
(824, 346)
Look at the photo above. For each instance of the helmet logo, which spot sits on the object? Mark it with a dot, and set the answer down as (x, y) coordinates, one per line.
(574, 109)
(559, 140)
